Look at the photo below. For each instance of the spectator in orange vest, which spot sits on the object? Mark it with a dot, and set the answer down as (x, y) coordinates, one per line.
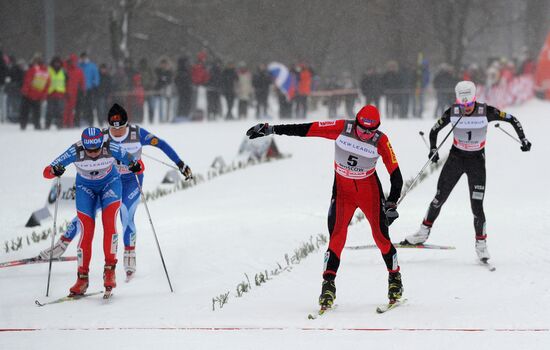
(304, 89)
(35, 90)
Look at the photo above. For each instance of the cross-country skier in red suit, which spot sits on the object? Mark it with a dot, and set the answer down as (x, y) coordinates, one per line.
(358, 145)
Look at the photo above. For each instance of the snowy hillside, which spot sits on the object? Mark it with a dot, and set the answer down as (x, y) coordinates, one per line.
(245, 222)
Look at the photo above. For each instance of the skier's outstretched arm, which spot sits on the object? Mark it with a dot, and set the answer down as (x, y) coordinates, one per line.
(148, 139)
(57, 167)
(327, 129)
(493, 114)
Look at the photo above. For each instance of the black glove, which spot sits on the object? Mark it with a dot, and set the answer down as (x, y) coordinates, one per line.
(185, 170)
(259, 130)
(134, 167)
(436, 157)
(390, 209)
(525, 145)
(58, 170)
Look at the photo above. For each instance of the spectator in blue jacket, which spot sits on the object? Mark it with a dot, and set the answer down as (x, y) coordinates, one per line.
(91, 78)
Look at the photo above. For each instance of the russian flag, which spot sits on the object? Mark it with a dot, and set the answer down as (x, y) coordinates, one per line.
(284, 79)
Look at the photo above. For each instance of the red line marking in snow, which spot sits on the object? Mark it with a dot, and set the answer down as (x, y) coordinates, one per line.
(232, 329)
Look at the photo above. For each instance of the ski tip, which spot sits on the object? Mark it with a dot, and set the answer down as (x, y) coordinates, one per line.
(37, 303)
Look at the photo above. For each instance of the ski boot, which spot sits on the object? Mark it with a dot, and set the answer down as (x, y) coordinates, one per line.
(395, 287)
(129, 264)
(328, 295)
(481, 250)
(418, 237)
(58, 250)
(81, 285)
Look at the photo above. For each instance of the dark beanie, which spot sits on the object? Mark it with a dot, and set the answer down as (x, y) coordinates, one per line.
(117, 116)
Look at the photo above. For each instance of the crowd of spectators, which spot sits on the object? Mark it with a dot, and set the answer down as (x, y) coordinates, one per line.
(74, 91)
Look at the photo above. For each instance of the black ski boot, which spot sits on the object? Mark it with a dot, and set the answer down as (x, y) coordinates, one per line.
(328, 294)
(395, 287)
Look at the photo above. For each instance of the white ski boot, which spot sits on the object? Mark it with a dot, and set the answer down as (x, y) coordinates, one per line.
(129, 264)
(481, 250)
(58, 249)
(418, 237)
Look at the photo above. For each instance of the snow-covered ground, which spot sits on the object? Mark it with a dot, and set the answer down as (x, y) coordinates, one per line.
(246, 221)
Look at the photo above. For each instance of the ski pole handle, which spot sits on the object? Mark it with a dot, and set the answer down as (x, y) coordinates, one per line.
(421, 133)
(497, 125)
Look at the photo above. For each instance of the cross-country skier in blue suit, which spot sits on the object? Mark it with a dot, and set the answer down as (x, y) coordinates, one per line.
(131, 138)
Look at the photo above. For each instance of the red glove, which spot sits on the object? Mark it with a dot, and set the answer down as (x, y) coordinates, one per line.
(48, 172)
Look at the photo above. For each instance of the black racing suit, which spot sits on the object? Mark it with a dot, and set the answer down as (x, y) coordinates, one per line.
(471, 162)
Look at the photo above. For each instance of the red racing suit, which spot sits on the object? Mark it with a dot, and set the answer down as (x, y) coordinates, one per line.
(356, 185)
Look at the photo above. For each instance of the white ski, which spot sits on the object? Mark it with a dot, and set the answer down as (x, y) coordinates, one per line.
(487, 264)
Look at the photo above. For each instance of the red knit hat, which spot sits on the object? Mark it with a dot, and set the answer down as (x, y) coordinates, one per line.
(368, 117)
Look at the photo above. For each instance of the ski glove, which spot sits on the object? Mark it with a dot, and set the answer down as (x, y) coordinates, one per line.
(436, 157)
(135, 167)
(185, 170)
(525, 145)
(259, 130)
(390, 209)
(58, 170)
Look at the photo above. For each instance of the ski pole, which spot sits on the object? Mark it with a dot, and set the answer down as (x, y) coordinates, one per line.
(154, 232)
(160, 161)
(57, 194)
(497, 125)
(421, 133)
(428, 162)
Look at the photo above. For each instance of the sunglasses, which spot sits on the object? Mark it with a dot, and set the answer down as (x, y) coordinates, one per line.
(467, 104)
(363, 130)
(93, 151)
(117, 127)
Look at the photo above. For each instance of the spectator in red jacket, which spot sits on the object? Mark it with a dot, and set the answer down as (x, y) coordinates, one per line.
(35, 90)
(75, 87)
(199, 76)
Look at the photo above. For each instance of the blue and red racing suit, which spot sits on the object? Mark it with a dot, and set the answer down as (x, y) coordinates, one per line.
(132, 142)
(97, 185)
(356, 185)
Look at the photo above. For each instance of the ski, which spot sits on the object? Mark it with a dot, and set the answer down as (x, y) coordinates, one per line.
(67, 298)
(487, 264)
(323, 310)
(390, 306)
(404, 245)
(34, 260)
